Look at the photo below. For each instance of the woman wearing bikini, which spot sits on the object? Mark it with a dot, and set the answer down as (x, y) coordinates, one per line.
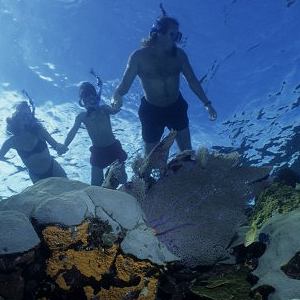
(29, 138)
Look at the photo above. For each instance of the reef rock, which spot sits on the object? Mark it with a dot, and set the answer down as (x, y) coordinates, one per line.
(283, 247)
(70, 208)
(87, 234)
(27, 201)
(277, 199)
(228, 284)
(17, 235)
(70, 203)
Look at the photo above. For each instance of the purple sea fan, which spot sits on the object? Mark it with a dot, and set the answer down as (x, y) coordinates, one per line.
(196, 211)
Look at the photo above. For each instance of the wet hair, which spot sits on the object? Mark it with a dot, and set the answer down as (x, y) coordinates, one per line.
(13, 124)
(161, 26)
(86, 89)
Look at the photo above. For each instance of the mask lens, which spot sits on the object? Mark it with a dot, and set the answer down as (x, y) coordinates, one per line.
(176, 37)
(89, 100)
(179, 37)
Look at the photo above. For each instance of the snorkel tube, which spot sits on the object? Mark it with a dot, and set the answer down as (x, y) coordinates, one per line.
(99, 82)
(163, 12)
(86, 88)
(30, 100)
(25, 112)
(160, 26)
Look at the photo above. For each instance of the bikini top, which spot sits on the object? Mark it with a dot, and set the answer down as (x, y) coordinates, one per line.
(40, 146)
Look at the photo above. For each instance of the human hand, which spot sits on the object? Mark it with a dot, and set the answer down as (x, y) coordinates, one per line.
(116, 102)
(61, 149)
(212, 113)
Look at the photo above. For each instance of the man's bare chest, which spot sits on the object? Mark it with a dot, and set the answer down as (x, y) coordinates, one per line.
(159, 67)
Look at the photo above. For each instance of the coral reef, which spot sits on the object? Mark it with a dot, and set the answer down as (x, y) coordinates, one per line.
(197, 205)
(292, 268)
(97, 243)
(287, 176)
(17, 234)
(229, 284)
(105, 273)
(284, 244)
(277, 199)
(71, 245)
(158, 157)
(115, 175)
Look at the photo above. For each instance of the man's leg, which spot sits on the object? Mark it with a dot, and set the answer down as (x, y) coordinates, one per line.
(183, 139)
(97, 176)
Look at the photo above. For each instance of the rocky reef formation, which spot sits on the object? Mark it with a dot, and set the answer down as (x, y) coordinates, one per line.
(279, 267)
(277, 199)
(275, 220)
(64, 239)
(224, 283)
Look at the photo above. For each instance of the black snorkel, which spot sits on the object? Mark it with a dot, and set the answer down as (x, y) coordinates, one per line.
(160, 27)
(163, 12)
(90, 86)
(30, 100)
(156, 27)
(25, 112)
(99, 83)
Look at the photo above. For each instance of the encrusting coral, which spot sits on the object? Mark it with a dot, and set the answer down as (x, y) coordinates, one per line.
(231, 284)
(73, 264)
(277, 199)
(59, 238)
(77, 242)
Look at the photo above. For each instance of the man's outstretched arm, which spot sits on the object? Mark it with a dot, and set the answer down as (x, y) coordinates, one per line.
(195, 85)
(128, 77)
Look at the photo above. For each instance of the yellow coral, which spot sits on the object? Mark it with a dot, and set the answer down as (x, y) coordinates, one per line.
(92, 263)
(126, 268)
(116, 293)
(61, 238)
(89, 292)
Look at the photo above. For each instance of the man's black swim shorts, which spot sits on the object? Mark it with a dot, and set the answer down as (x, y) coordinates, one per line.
(154, 118)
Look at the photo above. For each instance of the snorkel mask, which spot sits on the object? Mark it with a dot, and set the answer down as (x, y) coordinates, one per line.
(88, 94)
(161, 26)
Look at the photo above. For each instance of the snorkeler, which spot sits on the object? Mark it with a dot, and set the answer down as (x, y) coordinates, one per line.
(105, 148)
(29, 138)
(158, 64)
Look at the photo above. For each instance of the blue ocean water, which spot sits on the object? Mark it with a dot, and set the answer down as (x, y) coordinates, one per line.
(247, 54)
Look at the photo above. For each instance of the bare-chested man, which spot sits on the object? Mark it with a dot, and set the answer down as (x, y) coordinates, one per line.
(106, 148)
(159, 64)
